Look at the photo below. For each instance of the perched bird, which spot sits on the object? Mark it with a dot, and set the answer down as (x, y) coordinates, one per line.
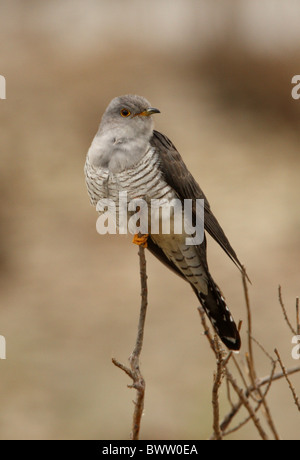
(128, 155)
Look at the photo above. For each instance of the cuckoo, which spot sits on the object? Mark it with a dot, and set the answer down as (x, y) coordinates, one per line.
(128, 155)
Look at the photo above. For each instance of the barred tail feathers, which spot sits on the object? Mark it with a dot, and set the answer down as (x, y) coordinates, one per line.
(219, 315)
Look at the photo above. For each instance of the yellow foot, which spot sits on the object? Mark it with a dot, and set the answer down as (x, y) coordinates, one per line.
(141, 240)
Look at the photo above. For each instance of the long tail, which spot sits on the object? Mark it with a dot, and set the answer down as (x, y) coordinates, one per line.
(219, 315)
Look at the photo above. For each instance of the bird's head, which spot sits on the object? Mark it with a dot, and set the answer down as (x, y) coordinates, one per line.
(129, 114)
(124, 133)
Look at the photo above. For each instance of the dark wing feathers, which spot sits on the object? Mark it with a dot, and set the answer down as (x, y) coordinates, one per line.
(181, 180)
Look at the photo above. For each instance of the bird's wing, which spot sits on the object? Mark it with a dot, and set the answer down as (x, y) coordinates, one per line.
(177, 175)
(161, 256)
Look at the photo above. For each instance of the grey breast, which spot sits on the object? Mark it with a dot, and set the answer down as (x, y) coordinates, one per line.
(143, 180)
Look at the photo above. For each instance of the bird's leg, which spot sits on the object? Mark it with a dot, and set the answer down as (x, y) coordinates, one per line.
(141, 240)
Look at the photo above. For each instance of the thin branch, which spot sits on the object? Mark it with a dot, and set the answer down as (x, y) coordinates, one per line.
(249, 355)
(284, 311)
(296, 399)
(278, 376)
(250, 361)
(267, 411)
(261, 382)
(245, 402)
(215, 391)
(249, 320)
(207, 332)
(263, 349)
(240, 392)
(244, 422)
(229, 393)
(134, 372)
(270, 380)
(240, 372)
(298, 316)
(123, 368)
(144, 303)
(221, 429)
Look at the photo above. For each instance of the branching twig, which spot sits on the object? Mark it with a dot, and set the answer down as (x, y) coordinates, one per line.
(244, 422)
(134, 372)
(253, 389)
(251, 364)
(245, 402)
(263, 349)
(250, 388)
(260, 383)
(296, 399)
(215, 391)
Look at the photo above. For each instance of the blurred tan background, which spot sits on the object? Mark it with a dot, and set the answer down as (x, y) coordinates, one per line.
(220, 72)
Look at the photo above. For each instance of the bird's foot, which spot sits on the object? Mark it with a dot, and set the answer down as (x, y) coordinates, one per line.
(141, 240)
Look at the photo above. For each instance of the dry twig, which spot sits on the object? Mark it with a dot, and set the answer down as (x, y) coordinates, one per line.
(241, 424)
(296, 399)
(254, 388)
(215, 391)
(134, 371)
(298, 316)
(284, 312)
(260, 383)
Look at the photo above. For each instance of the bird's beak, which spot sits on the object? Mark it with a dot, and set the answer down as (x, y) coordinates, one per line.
(149, 111)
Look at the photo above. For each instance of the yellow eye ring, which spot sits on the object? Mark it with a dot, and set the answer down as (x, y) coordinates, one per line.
(125, 113)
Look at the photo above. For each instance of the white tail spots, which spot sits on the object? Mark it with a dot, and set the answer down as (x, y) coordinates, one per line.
(230, 339)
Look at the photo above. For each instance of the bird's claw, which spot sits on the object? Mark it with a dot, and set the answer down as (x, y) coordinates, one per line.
(141, 240)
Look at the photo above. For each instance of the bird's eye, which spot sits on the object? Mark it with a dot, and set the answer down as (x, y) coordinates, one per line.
(125, 113)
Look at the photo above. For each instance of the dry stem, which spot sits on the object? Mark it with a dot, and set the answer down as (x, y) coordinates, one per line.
(250, 386)
(134, 371)
(253, 389)
(296, 399)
